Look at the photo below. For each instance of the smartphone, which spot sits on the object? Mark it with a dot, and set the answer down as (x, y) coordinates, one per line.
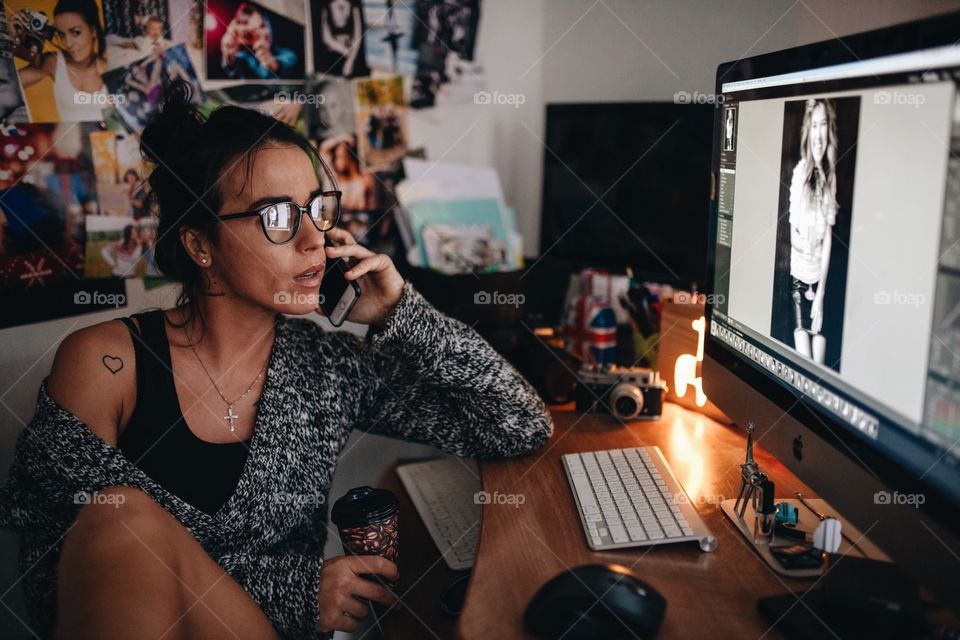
(797, 556)
(337, 294)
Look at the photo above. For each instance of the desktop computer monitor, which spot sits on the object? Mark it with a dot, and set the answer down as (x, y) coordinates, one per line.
(623, 186)
(834, 264)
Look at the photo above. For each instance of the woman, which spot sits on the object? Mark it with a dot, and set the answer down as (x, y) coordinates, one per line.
(248, 51)
(813, 212)
(197, 425)
(136, 193)
(76, 67)
(122, 255)
(357, 186)
(339, 51)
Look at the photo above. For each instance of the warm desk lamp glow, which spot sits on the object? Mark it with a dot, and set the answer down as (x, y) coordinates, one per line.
(685, 369)
(683, 333)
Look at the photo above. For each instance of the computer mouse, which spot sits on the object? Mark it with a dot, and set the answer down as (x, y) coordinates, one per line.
(595, 601)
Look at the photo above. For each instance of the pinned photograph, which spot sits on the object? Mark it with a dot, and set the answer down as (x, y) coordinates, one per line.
(139, 87)
(285, 102)
(381, 121)
(358, 201)
(446, 38)
(62, 45)
(389, 36)
(119, 247)
(134, 29)
(338, 28)
(47, 189)
(118, 166)
(263, 41)
(330, 111)
(13, 107)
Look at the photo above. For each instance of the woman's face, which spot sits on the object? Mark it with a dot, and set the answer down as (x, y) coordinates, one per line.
(250, 266)
(154, 30)
(340, 12)
(76, 36)
(818, 132)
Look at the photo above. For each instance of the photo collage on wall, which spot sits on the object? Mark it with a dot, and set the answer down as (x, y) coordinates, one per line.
(75, 200)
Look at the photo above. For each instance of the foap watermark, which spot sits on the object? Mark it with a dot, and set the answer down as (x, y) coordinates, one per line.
(512, 99)
(685, 97)
(912, 499)
(95, 497)
(300, 499)
(100, 298)
(513, 499)
(685, 297)
(99, 99)
(299, 97)
(899, 298)
(897, 98)
(713, 499)
(496, 297)
(298, 298)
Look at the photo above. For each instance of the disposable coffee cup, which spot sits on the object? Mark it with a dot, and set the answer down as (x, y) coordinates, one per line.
(366, 519)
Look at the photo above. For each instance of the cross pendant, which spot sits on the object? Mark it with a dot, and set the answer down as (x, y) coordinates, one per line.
(231, 417)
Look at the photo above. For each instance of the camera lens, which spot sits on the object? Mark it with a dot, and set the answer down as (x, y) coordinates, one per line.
(626, 401)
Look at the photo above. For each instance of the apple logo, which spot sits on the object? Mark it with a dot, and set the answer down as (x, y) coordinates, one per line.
(798, 448)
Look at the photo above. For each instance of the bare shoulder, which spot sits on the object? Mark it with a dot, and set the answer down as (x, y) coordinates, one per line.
(94, 377)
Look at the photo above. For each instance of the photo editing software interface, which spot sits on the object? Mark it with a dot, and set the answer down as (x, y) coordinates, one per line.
(837, 270)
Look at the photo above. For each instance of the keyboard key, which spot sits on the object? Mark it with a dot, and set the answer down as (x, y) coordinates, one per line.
(636, 534)
(618, 533)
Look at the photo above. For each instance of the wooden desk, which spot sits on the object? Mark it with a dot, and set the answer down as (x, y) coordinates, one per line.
(709, 595)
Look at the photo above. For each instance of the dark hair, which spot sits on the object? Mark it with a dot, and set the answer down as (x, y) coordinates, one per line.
(91, 15)
(191, 155)
(130, 172)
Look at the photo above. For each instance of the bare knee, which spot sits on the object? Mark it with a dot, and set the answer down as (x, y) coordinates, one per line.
(120, 553)
(118, 520)
(128, 566)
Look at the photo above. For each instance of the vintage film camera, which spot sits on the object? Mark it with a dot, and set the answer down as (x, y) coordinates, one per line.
(629, 393)
(30, 42)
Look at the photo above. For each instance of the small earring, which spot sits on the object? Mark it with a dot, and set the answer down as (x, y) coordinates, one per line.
(203, 260)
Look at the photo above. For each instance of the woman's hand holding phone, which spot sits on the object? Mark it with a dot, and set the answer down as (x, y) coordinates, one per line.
(381, 283)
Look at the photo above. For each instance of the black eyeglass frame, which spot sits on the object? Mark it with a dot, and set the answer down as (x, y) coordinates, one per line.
(262, 213)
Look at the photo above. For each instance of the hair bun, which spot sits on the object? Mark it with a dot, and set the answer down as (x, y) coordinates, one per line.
(176, 130)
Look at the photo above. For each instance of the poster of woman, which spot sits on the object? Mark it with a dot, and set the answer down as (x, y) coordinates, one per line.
(62, 55)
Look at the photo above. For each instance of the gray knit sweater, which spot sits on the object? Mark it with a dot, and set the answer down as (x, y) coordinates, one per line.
(423, 377)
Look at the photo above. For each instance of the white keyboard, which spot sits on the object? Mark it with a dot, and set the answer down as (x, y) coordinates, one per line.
(444, 493)
(631, 498)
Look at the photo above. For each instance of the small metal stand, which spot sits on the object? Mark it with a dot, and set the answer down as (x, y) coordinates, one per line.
(742, 513)
(751, 478)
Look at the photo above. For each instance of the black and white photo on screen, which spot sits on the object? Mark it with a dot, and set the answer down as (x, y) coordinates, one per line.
(813, 225)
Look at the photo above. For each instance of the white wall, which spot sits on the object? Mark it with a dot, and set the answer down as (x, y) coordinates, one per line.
(549, 51)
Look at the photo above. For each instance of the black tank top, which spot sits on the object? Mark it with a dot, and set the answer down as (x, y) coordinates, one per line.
(157, 438)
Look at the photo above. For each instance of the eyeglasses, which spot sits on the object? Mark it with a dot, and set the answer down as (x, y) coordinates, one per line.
(280, 221)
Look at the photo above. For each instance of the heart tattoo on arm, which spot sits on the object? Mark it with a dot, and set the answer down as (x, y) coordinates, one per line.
(112, 364)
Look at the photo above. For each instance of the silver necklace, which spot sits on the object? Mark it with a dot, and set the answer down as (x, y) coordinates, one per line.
(231, 417)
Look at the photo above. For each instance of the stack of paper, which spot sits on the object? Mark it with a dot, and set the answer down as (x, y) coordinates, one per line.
(453, 219)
